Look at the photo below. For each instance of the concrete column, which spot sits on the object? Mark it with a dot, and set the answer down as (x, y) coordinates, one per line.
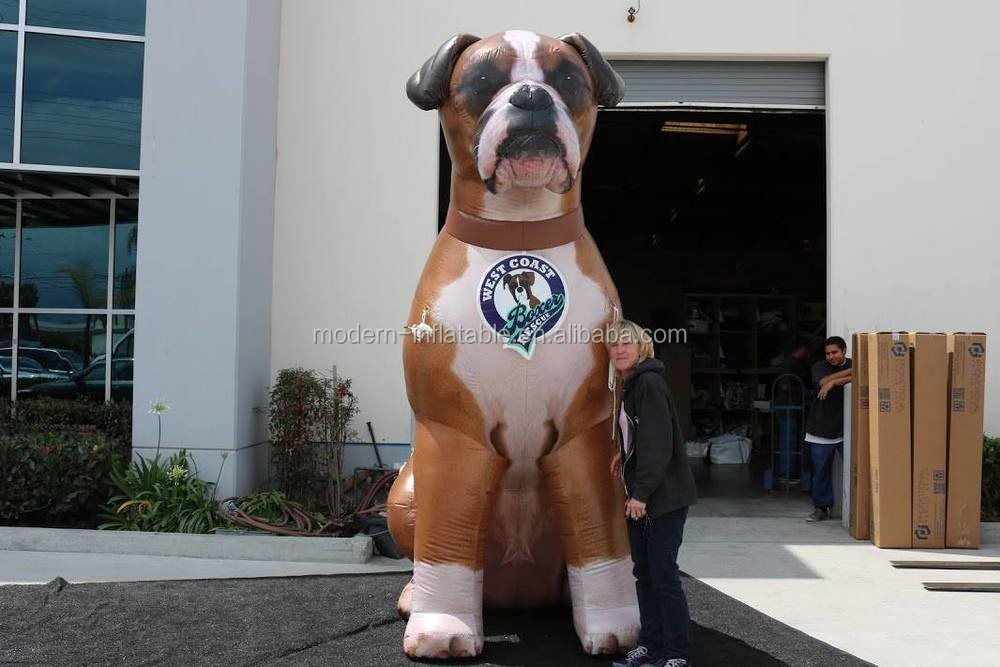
(206, 218)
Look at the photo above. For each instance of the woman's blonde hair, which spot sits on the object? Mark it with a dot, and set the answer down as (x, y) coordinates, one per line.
(627, 331)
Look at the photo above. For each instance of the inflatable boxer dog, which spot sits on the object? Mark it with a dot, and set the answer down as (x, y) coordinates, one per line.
(508, 498)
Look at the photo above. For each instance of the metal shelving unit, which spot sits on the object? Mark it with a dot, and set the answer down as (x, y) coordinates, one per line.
(735, 342)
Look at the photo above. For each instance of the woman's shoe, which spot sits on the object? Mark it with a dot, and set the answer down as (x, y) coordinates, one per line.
(638, 657)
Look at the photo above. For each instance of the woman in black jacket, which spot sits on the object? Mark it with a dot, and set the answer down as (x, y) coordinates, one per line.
(653, 466)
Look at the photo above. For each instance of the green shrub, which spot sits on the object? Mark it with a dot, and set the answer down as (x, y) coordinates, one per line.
(56, 476)
(161, 496)
(266, 505)
(46, 414)
(991, 479)
(309, 418)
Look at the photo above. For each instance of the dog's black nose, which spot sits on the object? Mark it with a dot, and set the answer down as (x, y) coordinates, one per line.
(531, 98)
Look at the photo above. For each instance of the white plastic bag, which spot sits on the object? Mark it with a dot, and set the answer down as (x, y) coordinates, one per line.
(730, 449)
(697, 449)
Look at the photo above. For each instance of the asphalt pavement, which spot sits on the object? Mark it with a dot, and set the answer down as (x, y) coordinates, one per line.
(332, 620)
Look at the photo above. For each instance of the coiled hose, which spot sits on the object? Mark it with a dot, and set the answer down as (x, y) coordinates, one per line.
(298, 522)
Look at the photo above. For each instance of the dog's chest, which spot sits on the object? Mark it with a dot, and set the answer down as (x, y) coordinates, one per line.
(519, 295)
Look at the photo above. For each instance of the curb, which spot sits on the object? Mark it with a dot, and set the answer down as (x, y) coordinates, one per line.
(357, 549)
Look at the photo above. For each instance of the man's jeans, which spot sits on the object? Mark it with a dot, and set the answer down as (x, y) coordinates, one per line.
(663, 609)
(822, 485)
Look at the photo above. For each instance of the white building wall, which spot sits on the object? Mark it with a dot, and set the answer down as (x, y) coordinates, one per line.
(203, 290)
(913, 140)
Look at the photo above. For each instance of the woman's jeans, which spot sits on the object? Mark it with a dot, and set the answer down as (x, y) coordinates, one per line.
(663, 609)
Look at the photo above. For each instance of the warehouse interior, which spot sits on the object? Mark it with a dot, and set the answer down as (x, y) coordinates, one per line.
(713, 222)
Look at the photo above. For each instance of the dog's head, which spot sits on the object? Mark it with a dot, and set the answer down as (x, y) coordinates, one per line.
(519, 286)
(518, 109)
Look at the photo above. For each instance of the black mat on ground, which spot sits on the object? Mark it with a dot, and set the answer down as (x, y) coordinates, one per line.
(338, 620)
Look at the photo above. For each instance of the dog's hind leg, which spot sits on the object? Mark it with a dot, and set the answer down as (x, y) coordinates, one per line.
(401, 508)
(455, 478)
(589, 504)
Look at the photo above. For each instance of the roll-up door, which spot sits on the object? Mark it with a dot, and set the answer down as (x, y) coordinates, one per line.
(724, 83)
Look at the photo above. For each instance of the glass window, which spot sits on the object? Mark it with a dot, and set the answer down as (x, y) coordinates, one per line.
(82, 102)
(122, 351)
(6, 336)
(64, 345)
(127, 17)
(95, 371)
(123, 336)
(8, 70)
(10, 11)
(64, 253)
(8, 217)
(126, 242)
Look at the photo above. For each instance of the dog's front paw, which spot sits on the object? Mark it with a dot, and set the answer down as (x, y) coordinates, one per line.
(405, 602)
(608, 631)
(605, 609)
(439, 636)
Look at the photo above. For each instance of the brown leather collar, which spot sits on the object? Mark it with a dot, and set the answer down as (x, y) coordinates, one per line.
(512, 235)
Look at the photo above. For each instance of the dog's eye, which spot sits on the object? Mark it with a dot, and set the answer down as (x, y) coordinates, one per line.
(571, 84)
(484, 84)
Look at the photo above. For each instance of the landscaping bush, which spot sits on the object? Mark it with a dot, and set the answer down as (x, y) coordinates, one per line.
(266, 505)
(309, 417)
(56, 456)
(161, 496)
(56, 477)
(46, 414)
(991, 479)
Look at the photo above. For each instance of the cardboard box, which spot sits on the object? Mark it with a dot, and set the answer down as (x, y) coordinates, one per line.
(965, 438)
(859, 519)
(889, 419)
(929, 353)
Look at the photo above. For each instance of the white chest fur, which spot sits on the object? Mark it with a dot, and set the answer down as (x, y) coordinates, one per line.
(524, 393)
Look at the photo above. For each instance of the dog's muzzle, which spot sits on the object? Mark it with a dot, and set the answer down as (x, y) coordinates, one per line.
(527, 141)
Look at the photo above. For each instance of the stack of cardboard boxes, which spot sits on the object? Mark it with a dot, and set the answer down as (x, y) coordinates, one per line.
(917, 439)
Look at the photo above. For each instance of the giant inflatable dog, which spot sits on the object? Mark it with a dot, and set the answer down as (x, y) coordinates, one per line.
(507, 498)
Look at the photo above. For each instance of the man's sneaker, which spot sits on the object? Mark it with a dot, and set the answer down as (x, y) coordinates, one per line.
(676, 662)
(819, 514)
(638, 657)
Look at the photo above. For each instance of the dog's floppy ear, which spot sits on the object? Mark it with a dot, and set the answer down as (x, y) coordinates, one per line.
(506, 279)
(609, 87)
(428, 87)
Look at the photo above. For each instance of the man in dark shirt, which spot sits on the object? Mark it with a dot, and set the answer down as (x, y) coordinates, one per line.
(825, 425)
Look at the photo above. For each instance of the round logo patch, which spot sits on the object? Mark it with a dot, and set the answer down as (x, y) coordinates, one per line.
(522, 297)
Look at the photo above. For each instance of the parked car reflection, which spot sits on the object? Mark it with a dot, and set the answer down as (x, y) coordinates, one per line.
(88, 382)
(62, 362)
(29, 372)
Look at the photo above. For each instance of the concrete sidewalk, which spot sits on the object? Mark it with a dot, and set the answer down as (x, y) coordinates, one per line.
(39, 567)
(817, 579)
(813, 577)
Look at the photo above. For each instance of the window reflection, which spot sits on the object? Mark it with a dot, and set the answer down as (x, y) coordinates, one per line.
(65, 346)
(64, 253)
(122, 16)
(9, 11)
(8, 69)
(82, 102)
(8, 219)
(122, 353)
(126, 243)
(6, 336)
